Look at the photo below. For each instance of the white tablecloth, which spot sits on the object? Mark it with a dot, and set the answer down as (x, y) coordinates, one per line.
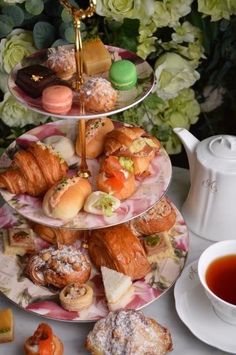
(163, 310)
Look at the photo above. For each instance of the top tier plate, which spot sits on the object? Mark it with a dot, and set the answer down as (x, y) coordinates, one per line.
(126, 99)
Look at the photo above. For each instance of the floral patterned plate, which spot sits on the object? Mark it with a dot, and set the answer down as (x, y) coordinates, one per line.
(20, 290)
(148, 192)
(126, 99)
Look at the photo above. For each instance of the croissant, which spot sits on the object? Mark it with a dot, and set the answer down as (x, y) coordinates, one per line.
(33, 171)
(119, 249)
(134, 144)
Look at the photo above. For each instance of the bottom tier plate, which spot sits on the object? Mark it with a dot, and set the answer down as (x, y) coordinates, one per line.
(42, 301)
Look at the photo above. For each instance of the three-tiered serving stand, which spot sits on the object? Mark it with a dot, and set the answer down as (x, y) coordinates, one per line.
(149, 191)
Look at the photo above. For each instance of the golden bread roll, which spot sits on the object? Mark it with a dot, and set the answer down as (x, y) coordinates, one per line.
(95, 132)
(43, 341)
(76, 296)
(119, 249)
(65, 199)
(158, 219)
(128, 332)
(133, 143)
(33, 171)
(125, 192)
(56, 235)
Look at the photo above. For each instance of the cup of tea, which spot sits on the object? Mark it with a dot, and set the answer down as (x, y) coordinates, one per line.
(217, 274)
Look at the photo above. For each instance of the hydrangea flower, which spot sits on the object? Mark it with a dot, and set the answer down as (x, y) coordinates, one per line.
(14, 114)
(14, 48)
(173, 73)
(120, 9)
(217, 9)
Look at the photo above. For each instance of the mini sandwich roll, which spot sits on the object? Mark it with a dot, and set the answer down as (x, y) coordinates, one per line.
(65, 199)
(76, 296)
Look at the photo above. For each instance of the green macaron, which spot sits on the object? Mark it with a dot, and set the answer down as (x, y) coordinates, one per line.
(123, 74)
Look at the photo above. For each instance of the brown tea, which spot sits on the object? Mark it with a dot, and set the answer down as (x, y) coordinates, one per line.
(221, 278)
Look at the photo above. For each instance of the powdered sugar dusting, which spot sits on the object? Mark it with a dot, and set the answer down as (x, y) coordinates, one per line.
(61, 58)
(129, 332)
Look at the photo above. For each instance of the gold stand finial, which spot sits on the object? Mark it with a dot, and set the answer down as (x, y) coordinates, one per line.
(78, 14)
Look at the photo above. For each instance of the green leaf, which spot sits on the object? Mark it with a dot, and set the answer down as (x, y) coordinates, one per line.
(34, 7)
(70, 34)
(59, 42)
(131, 27)
(6, 25)
(44, 34)
(15, 13)
(66, 16)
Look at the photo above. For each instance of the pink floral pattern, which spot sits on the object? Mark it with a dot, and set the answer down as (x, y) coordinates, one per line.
(148, 192)
(45, 302)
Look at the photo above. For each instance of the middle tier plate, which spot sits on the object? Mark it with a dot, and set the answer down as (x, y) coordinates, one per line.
(148, 192)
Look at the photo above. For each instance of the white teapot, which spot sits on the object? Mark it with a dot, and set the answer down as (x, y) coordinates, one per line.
(210, 207)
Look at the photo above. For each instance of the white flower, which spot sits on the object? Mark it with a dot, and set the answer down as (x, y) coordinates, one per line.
(120, 9)
(185, 33)
(14, 114)
(3, 82)
(13, 1)
(173, 73)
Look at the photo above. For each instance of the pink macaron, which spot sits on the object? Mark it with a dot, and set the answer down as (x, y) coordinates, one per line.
(57, 99)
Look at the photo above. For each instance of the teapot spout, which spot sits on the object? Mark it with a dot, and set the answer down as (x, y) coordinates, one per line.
(190, 143)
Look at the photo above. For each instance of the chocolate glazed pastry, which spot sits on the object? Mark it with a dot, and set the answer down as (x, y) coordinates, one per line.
(34, 79)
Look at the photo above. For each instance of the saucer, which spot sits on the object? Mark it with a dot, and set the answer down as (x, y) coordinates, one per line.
(196, 312)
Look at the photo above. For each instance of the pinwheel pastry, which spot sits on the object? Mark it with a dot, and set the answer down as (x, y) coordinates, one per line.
(58, 266)
(135, 145)
(76, 296)
(128, 332)
(119, 249)
(33, 171)
(43, 341)
(158, 219)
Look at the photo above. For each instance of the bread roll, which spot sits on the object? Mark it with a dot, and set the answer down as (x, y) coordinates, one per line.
(66, 199)
(126, 190)
(119, 249)
(158, 219)
(95, 132)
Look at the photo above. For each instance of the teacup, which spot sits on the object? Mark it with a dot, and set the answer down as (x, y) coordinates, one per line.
(218, 252)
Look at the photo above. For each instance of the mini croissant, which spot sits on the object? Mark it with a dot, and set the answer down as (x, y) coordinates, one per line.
(33, 171)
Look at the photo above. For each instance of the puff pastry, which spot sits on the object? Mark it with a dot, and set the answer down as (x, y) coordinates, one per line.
(128, 332)
(135, 143)
(33, 171)
(119, 249)
(56, 235)
(158, 219)
(76, 296)
(58, 266)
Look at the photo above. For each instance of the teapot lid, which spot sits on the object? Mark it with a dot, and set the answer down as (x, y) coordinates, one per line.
(217, 150)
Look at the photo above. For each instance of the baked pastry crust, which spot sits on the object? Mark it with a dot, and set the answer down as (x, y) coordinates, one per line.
(58, 266)
(135, 143)
(128, 332)
(56, 235)
(76, 296)
(158, 219)
(119, 249)
(95, 132)
(97, 95)
(34, 170)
